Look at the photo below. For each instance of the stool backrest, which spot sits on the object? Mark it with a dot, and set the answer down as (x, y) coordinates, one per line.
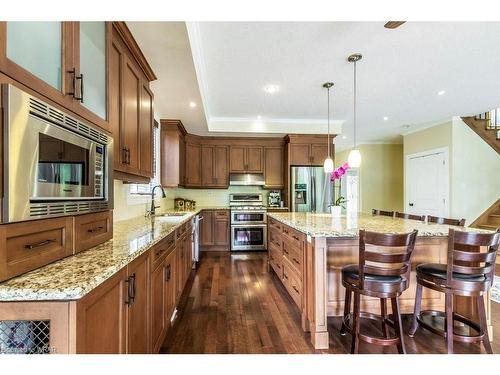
(465, 255)
(443, 220)
(382, 213)
(385, 263)
(402, 215)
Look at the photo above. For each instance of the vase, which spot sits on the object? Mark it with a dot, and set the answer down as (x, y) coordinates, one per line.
(336, 211)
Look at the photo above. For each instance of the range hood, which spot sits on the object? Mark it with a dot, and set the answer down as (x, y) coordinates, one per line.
(246, 179)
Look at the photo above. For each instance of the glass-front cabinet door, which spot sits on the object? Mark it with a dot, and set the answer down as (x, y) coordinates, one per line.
(37, 47)
(63, 61)
(93, 66)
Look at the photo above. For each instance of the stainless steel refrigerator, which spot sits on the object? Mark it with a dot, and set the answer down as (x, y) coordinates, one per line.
(311, 189)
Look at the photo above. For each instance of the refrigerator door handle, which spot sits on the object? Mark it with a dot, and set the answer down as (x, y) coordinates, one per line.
(313, 191)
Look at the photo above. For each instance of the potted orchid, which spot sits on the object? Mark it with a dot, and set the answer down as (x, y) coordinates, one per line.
(336, 207)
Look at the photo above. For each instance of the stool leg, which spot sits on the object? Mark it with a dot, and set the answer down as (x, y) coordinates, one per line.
(355, 324)
(383, 313)
(449, 322)
(347, 311)
(416, 312)
(481, 310)
(398, 325)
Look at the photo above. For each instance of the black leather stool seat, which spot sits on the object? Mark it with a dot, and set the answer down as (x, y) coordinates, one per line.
(352, 271)
(439, 270)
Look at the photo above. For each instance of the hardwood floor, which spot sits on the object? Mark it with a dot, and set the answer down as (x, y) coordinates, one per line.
(235, 305)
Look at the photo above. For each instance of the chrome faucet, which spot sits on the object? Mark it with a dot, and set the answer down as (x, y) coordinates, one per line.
(153, 208)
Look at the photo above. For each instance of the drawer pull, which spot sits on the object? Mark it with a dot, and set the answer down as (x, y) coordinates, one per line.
(296, 290)
(95, 229)
(295, 260)
(286, 252)
(285, 276)
(296, 238)
(39, 244)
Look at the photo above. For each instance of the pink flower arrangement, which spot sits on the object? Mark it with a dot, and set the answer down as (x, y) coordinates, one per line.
(339, 172)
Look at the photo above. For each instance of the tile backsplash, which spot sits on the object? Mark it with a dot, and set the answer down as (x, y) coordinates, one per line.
(127, 207)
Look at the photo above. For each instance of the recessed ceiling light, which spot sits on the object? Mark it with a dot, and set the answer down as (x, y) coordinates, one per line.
(259, 117)
(386, 118)
(406, 126)
(344, 137)
(442, 92)
(271, 89)
(192, 105)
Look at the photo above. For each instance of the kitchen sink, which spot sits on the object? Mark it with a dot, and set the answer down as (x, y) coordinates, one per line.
(173, 214)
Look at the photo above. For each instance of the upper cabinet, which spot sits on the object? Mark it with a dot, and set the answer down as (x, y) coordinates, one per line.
(214, 166)
(63, 61)
(130, 108)
(273, 170)
(95, 70)
(246, 159)
(308, 149)
(92, 52)
(172, 153)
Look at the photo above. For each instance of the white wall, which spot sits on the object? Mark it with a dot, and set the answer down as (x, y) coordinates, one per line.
(475, 175)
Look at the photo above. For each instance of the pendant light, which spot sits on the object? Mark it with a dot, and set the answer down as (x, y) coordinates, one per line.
(328, 164)
(354, 158)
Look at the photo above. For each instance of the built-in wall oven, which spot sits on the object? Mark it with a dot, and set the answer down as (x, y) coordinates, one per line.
(54, 164)
(248, 222)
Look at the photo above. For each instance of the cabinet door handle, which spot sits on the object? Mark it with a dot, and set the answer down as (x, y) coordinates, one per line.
(81, 88)
(296, 238)
(295, 260)
(295, 288)
(130, 290)
(168, 272)
(39, 244)
(73, 82)
(285, 276)
(95, 229)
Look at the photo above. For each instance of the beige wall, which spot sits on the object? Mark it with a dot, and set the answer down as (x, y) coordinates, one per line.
(381, 176)
(475, 177)
(474, 167)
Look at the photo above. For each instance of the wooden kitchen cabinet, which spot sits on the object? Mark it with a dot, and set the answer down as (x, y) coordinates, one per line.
(138, 313)
(193, 165)
(214, 230)
(172, 153)
(273, 168)
(206, 228)
(63, 61)
(246, 159)
(92, 229)
(214, 166)
(101, 318)
(130, 112)
(308, 150)
(33, 244)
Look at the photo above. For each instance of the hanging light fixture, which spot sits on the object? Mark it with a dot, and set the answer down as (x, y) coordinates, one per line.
(328, 164)
(354, 158)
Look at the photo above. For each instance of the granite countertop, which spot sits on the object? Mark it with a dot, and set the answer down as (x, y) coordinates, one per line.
(325, 225)
(73, 277)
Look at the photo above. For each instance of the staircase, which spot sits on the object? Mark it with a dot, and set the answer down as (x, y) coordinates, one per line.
(490, 219)
(487, 126)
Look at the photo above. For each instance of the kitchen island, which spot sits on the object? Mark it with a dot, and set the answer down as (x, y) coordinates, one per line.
(307, 252)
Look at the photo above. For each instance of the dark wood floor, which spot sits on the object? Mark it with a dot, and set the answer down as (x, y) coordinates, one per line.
(235, 305)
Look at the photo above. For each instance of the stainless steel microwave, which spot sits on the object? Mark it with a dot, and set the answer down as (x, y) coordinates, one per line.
(54, 164)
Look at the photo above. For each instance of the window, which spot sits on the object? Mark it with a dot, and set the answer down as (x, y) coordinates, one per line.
(136, 190)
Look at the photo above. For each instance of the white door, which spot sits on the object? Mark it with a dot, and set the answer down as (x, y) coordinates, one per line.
(427, 183)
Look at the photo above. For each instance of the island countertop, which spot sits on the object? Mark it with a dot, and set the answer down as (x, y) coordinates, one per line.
(73, 277)
(325, 225)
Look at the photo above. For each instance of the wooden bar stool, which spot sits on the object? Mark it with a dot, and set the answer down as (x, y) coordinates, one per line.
(468, 272)
(382, 213)
(402, 215)
(382, 275)
(443, 220)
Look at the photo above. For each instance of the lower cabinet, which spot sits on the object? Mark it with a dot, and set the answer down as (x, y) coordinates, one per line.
(214, 230)
(131, 312)
(286, 255)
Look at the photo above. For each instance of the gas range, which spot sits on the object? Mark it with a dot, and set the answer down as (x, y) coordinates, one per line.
(248, 222)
